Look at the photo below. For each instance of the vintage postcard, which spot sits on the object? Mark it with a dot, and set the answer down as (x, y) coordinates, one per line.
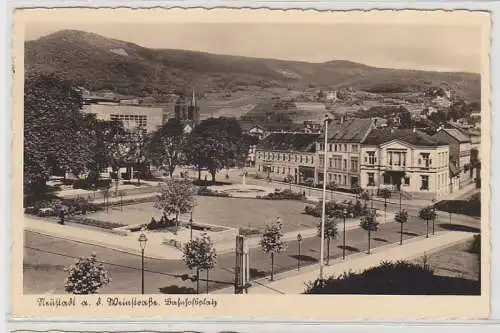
(230, 163)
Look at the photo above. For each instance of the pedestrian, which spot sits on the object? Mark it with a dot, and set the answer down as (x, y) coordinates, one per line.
(61, 217)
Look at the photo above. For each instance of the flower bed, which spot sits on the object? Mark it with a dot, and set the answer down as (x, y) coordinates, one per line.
(283, 195)
(53, 207)
(332, 208)
(205, 191)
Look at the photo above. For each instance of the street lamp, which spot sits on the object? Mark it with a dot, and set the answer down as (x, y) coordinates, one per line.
(343, 246)
(299, 240)
(191, 226)
(142, 243)
(433, 214)
(323, 215)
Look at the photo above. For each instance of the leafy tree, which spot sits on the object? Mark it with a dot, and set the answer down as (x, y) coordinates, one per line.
(176, 197)
(385, 194)
(427, 213)
(356, 189)
(167, 146)
(57, 135)
(119, 153)
(405, 119)
(364, 195)
(289, 179)
(272, 242)
(401, 217)
(369, 223)
(331, 232)
(200, 254)
(138, 151)
(86, 276)
(105, 132)
(215, 143)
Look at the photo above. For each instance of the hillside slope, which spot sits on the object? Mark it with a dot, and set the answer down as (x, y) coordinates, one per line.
(97, 63)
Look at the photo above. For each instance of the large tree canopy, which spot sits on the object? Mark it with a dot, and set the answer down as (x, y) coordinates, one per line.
(166, 146)
(57, 137)
(215, 143)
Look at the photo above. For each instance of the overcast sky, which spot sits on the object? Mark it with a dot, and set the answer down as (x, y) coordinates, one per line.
(426, 47)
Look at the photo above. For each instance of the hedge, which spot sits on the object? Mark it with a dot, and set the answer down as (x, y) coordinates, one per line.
(399, 278)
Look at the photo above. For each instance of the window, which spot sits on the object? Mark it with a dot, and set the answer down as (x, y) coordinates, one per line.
(278, 156)
(335, 147)
(387, 179)
(330, 177)
(284, 157)
(371, 157)
(283, 170)
(354, 164)
(272, 169)
(321, 159)
(424, 160)
(312, 159)
(330, 162)
(345, 164)
(301, 159)
(406, 180)
(425, 183)
(371, 179)
(321, 146)
(289, 157)
(296, 158)
(272, 156)
(329, 147)
(345, 180)
(354, 148)
(345, 147)
(307, 159)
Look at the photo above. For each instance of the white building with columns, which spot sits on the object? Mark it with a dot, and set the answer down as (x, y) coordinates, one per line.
(405, 160)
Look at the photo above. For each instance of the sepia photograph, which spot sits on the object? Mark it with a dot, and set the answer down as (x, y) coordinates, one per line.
(343, 155)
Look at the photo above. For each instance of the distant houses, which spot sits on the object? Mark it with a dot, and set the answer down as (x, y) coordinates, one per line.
(360, 152)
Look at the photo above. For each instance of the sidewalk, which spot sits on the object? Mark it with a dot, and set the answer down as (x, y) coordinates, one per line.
(292, 282)
(253, 241)
(127, 244)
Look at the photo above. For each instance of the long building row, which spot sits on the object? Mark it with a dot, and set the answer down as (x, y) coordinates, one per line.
(359, 153)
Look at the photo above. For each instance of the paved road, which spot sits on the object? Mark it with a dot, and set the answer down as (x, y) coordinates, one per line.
(45, 258)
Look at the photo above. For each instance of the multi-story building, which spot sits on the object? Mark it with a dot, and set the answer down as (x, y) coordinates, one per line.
(342, 152)
(407, 160)
(460, 153)
(281, 155)
(132, 116)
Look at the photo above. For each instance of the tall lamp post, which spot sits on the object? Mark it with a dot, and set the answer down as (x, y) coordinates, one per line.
(343, 238)
(323, 214)
(433, 214)
(191, 226)
(142, 243)
(299, 240)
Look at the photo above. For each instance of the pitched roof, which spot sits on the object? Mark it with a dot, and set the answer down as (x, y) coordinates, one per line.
(416, 138)
(289, 142)
(353, 131)
(457, 134)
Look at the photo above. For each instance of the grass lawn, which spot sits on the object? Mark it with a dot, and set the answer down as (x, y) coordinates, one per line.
(455, 261)
(232, 212)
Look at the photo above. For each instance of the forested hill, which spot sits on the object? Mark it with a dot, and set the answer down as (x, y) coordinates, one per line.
(97, 63)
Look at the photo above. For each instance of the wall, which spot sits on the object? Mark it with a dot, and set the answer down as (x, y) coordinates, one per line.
(104, 111)
(282, 166)
(438, 170)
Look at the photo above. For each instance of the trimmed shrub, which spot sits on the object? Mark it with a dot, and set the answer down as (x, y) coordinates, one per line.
(248, 231)
(88, 184)
(95, 223)
(333, 208)
(398, 278)
(284, 195)
(205, 191)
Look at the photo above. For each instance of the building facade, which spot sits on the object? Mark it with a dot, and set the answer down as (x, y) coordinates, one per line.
(282, 155)
(405, 160)
(460, 153)
(132, 116)
(342, 152)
